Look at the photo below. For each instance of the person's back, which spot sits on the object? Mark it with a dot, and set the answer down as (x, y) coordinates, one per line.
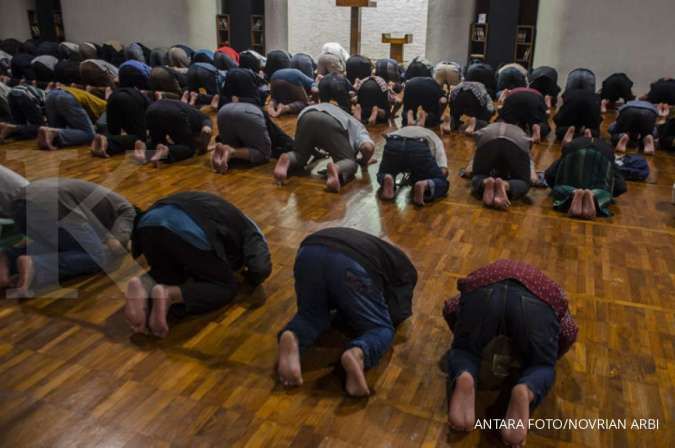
(418, 68)
(545, 80)
(580, 108)
(276, 60)
(336, 87)
(581, 78)
(483, 73)
(358, 67)
(305, 63)
(389, 70)
(662, 91)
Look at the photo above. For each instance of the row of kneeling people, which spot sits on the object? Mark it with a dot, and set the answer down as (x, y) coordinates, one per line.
(195, 242)
(168, 131)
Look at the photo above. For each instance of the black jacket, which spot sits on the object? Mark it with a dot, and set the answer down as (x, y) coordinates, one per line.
(234, 237)
(386, 264)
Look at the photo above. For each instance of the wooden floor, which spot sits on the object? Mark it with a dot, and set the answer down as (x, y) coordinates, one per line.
(71, 375)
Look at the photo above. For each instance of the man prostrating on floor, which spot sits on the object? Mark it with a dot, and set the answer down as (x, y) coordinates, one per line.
(370, 284)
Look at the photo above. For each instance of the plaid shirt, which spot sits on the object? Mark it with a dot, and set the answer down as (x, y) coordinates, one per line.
(531, 278)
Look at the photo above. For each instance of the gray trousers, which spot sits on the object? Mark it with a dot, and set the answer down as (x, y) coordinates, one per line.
(317, 129)
(66, 114)
(242, 125)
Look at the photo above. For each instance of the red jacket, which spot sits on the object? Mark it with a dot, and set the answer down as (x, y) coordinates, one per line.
(230, 53)
(531, 278)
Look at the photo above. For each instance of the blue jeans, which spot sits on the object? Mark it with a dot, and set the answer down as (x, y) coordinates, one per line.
(66, 114)
(59, 251)
(327, 281)
(412, 155)
(507, 308)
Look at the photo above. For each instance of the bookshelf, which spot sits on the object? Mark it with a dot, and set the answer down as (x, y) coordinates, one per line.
(524, 47)
(59, 32)
(258, 33)
(223, 29)
(478, 41)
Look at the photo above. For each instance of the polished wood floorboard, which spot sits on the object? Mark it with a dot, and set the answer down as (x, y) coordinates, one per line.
(71, 375)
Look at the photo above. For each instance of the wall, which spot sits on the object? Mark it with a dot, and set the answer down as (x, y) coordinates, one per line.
(448, 27)
(152, 22)
(315, 22)
(14, 19)
(635, 37)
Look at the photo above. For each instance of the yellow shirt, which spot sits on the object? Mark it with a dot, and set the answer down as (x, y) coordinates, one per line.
(94, 105)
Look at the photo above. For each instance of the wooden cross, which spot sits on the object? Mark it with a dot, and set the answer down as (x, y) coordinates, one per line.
(396, 45)
(355, 33)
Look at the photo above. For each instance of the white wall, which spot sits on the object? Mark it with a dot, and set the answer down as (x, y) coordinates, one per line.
(14, 19)
(155, 23)
(448, 27)
(315, 22)
(608, 36)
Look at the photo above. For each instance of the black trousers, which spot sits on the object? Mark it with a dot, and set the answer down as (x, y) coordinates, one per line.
(466, 103)
(26, 114)
(426, 93)
(124, 113)
(501, 158)
(162, 122)
(637, 123)
(206, 282)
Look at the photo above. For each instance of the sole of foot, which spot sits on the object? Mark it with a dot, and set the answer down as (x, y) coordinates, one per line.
(649, 147)
(569, 135)
(160, 308)
(418, 195)
(489, 192)
(576, 210)
(518, 410)
(588, 207)
(387, 192)
(462, 409)
(623, 142)
(333, 178)
(281, 169)
(356, 384)
(136, 308)
(288, 367)
(501, 195)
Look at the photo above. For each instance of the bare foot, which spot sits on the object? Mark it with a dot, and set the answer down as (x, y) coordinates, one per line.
(46, 138)
(272, 111)
(588, 205)
(471, 127)
(387, 191)
(462, 409)
(204, 140)
(281, 169)
(576, 207)
(536, 133)
(420, 189)
(623, 142)
(215, 101)
(26, 270)
(603, 106)
(139, 152)
(193, 98)
(185, 98)
(161, 152)
(6, 130)
(489, 192)
(357, 111)
(160, 309)
(549, 102)
(220, 158)
(99, 147)
(501, 195)
(289, 368)
(411, 117)
(136, 308)
(588, 133)
(333, 178)
(569, 136)
(352, 362)
(649, 147)
(421, 117)
(518, 412)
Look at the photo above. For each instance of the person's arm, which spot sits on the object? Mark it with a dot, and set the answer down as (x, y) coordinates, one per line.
(257, 259)
(124, 224)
